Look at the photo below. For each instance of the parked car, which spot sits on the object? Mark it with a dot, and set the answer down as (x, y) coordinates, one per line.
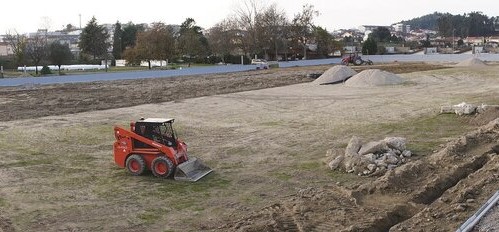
(260, 63)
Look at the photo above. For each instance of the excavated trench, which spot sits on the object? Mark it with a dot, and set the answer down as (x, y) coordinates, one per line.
(428, 195)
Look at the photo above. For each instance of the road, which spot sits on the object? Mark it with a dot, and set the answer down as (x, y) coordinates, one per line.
(229, 68)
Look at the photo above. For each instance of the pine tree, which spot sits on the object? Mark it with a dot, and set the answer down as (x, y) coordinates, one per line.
(93, 39)
(117, 41)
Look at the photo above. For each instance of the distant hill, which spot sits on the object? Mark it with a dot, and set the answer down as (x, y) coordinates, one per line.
(429, 21)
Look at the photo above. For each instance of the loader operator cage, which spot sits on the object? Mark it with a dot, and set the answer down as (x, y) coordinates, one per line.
(158, 127)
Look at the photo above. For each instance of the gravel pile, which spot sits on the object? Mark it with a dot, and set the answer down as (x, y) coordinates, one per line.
(374, 77)
(472, 62)
(336, 74)
(373, 158)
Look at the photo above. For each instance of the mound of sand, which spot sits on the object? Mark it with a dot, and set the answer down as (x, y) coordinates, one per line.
(471, 62)
(338, 73)
(374, 77)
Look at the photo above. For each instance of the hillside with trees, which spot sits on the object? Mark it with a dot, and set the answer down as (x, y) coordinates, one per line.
(468, 24)
(429, 21)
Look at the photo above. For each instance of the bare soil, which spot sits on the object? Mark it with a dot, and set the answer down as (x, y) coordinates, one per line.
(44, 100)
(265, 134)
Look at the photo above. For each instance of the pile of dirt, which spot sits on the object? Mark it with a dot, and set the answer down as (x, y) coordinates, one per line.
(336, 74)
(471, 62)
(372, 158)
(485, 117)
(374, 77)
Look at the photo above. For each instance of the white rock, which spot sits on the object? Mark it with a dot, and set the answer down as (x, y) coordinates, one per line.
(407, 153)
(391, 158)
(392, 166)
(335, 163)
(397, 143)
(353, 146)
(371, 167)
(373, 147)
(381, 163)
(370, 158)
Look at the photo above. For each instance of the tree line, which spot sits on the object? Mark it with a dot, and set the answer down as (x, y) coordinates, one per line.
(252, 30)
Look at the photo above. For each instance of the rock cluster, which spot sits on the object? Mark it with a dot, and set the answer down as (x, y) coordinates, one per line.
(372, 158)
(465, 109)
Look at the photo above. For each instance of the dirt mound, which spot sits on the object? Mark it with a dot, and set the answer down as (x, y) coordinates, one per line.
(336, 74)
(374, 77)
(471, 62)
(485, 117)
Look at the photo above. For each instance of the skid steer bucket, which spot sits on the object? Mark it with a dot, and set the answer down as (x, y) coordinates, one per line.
(191, 170)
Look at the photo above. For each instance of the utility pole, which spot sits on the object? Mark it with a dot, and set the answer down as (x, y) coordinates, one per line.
(80, 20)
(453, 33)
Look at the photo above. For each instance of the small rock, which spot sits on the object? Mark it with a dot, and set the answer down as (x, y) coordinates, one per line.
(461, 207)
(370, 158)
(391, 158)
(392, 166)
(381, 163)
(371, 167)
(397, 143)
(470, 200)
(407, 153)
(334, 164)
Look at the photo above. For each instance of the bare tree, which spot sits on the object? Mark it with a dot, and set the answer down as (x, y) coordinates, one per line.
(302, 27)
(36, 49)
(223, 39)
(18, 43)
(246, 17)
(271, 27)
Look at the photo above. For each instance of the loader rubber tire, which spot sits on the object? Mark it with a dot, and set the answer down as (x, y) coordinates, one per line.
(162, 167)
(135, 165)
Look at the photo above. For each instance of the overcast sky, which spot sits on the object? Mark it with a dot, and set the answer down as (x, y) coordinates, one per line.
(29, 15)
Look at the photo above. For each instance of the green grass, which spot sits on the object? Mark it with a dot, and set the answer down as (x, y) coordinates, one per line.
(423, 134)
(3, 202)
(311, 165)
(280, 175)
(26, 163)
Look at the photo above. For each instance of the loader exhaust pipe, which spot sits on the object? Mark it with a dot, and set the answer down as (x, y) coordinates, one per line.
(191, 170)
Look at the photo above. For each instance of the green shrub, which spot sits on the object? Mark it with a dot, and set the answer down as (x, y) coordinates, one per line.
(45, 70)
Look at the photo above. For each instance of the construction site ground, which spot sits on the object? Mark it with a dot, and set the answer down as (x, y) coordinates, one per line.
(265, 133)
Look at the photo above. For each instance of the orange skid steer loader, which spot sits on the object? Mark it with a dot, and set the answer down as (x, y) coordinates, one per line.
(152, 144)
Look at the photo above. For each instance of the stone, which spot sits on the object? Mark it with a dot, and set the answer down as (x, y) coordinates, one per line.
(371, 167)
(353, 146)
(381, 163)
(392, 166)
(335, 163)
(370, 158)
(407, 153)
(373, 147)
(397, 143)
(391, 158)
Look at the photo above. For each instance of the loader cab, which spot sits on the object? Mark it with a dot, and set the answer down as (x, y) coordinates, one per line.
(157, 129)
